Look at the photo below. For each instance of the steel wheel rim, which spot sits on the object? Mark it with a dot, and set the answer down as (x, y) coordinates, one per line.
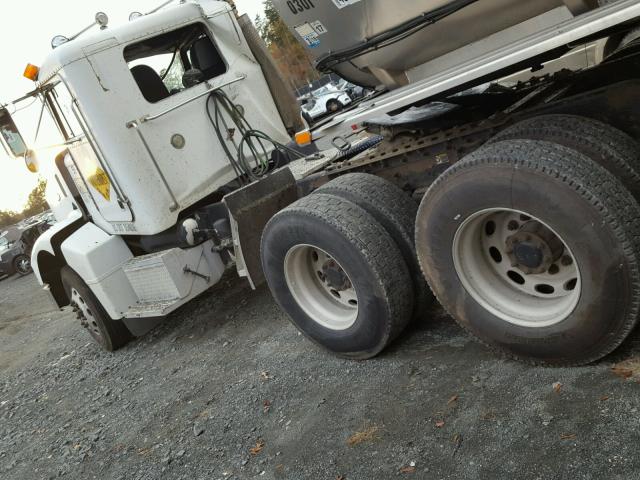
(87, 319)
(490, 271)
(321, 287)
(24, 265)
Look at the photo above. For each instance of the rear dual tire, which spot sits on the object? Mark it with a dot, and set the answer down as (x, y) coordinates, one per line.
(571, 199)
(338, 274)
(609, 147)
(396, 212)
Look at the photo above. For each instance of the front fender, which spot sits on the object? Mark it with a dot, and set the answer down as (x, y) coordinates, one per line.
(98, 258)
(51, 240)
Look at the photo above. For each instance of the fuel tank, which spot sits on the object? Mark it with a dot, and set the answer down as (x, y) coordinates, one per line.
(374, 42)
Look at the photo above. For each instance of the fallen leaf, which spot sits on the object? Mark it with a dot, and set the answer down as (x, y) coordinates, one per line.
(341, 477)
(408, 469)
(557, 387)
(628, 368)
(266, 406)
(368, 435)
(440, 424)
(257, 449)
(604, 398)
(568, 436)
(265, 376)
(488, 416)
(457, 440)
(453, 399)
(622, 372)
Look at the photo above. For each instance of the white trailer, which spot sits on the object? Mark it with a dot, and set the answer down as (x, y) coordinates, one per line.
(176, 157)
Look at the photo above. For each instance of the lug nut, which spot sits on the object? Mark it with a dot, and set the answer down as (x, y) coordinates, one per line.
(566, 260)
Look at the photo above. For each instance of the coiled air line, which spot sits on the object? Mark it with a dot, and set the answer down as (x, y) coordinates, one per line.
(254, 140)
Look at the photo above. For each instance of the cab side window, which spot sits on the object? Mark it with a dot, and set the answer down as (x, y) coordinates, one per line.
(172, 62)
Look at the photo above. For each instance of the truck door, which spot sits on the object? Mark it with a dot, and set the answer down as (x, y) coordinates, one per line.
(88, 170)
(176, 73)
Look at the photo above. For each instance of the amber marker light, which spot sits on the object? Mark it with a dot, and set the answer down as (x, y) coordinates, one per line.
(304, 138)
(31, 72)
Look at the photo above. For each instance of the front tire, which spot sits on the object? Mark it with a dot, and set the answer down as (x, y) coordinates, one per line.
(108, 333)
(338, 275)
(22, 265)
(497, 229)
(334, 106)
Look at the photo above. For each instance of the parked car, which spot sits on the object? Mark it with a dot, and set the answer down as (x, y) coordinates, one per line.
(323, 101)
(355, 92)
(15, 247)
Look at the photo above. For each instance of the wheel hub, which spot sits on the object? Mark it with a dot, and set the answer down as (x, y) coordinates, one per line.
(534, 248)
(24, 265)
(334, 276)
(321, 287)
(517, 267)
(84, 314)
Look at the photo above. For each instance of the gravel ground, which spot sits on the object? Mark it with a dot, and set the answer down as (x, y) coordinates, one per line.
(226, 388)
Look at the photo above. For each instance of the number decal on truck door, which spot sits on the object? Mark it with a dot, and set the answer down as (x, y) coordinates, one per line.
(299, 6)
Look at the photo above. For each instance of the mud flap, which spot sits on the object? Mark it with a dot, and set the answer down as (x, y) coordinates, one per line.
(250, 208)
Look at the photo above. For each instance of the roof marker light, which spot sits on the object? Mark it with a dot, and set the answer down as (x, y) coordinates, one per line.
(58, 40)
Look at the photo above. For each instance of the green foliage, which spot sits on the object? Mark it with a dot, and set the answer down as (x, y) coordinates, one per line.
(36, 203)
(8, 217)
(273, 29)
(290, 55)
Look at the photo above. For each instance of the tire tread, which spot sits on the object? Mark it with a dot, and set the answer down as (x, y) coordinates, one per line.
(395, 211)
(613, 149)
(376, 246)
(594, 183)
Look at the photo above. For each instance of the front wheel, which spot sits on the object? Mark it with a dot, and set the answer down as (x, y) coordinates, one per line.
(533, 248)
(334, 106)
(108, 333)
(22, 265)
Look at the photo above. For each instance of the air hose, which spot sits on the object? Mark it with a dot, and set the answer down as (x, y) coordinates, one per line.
(260, 160)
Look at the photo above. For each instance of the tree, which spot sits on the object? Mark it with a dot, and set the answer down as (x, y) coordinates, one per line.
(292, 58)
(36, 203)
(7, 217)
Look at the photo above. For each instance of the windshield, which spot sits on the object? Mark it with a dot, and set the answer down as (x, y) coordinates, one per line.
(60, 103)
(4, 243)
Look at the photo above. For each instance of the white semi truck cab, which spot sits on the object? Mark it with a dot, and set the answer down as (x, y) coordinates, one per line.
(137, 108)
(176, 158)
